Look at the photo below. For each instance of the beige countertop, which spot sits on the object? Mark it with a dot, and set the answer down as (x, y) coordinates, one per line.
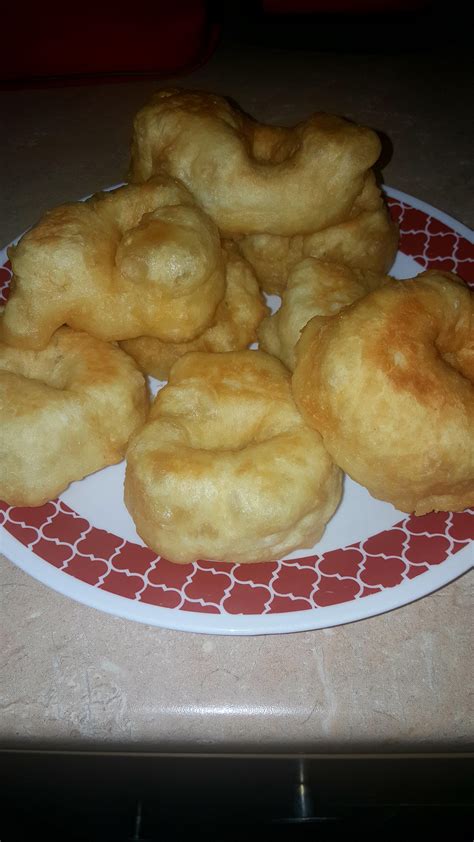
(73, 677)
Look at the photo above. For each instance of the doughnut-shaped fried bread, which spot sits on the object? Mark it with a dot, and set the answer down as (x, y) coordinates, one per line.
(139, 260)
(226, 469)
(65, 412)
(389, 384)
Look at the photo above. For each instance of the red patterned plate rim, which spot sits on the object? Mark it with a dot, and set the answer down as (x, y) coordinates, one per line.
(412, 558)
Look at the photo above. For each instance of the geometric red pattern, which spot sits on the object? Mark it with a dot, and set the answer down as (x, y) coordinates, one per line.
(431, 242)
(61, 537)
(58, 535)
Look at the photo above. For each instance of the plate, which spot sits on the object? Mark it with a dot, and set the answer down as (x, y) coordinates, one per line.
(371, 558)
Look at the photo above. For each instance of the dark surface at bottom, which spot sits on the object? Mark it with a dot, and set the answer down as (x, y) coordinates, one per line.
(120, 797)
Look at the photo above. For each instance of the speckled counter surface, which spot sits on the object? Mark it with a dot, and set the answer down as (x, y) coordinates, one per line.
(72, 677)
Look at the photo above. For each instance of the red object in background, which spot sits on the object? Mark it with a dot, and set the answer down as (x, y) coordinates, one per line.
(71, 39)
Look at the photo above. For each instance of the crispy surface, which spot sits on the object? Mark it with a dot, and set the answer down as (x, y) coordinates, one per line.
(234, 327)
(315, 288)
(225, 468)
(65, 412)
(252, 178)
(367, 240)
(137, 260)
(389, 385)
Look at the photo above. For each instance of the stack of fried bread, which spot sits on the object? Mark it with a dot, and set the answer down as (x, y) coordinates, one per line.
(241, 455)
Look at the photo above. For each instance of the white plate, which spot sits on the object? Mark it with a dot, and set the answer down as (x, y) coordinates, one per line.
(371, 558)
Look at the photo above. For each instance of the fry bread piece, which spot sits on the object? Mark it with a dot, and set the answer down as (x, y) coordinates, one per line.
(315, 288)
(249, 177)
(367, 240)
(139, 260)
(234, 327)
(388, 382)
(65, 412)
(226, 469)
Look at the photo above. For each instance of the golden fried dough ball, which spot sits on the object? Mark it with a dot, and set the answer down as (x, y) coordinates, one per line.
(251, 178)
(315, 288)
(388, 383)
(65, 412)
(137, 260)
(226, 469)
(272, 258)
(367, 240)
(234, 327)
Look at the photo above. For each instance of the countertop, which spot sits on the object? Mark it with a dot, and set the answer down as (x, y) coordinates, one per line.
(72, 677)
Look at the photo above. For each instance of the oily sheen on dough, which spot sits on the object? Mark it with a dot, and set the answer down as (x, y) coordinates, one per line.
(65, 412)
(225, 468)
(388, 383)
(139, 260)
(234, 327)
